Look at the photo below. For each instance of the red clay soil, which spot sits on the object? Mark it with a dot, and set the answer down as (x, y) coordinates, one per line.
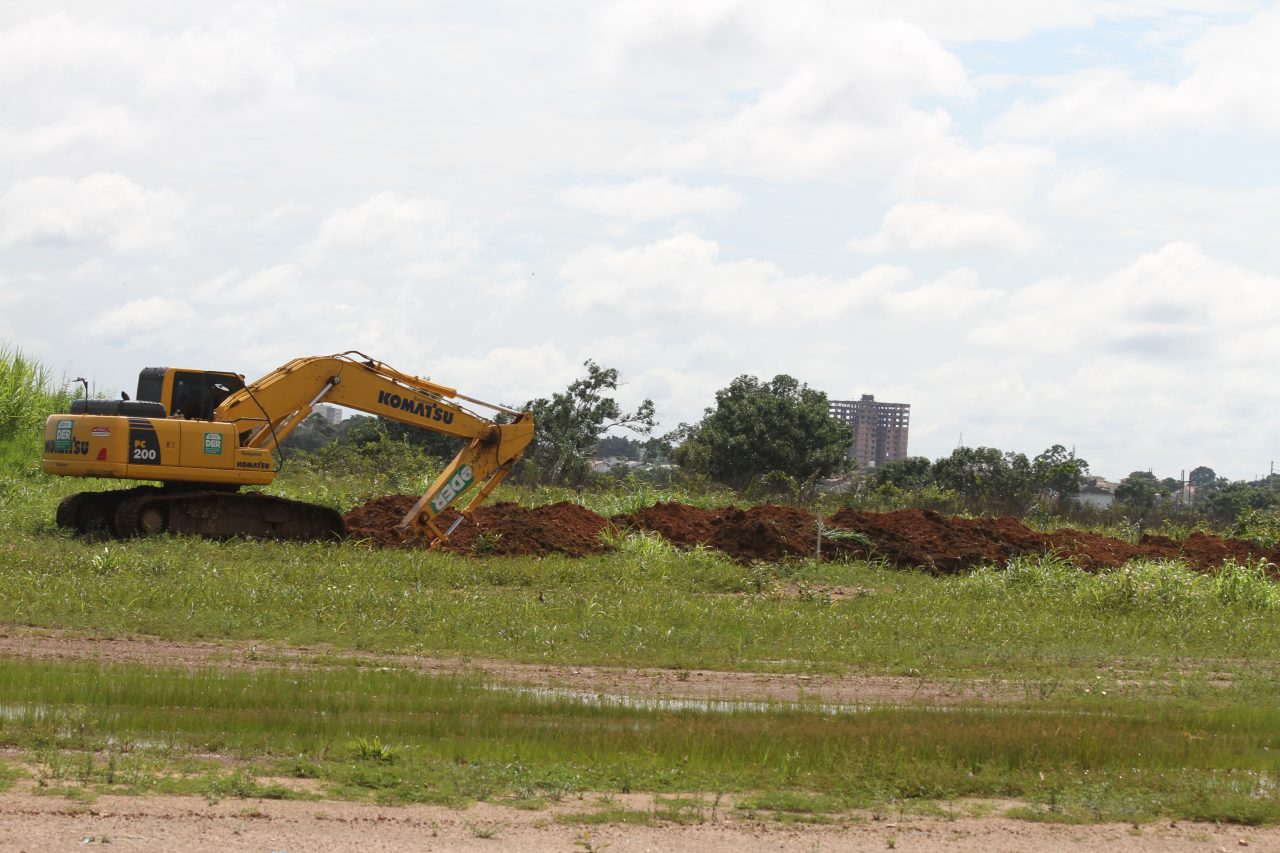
(501, 528)
(924, 539)
(908, 538)
(679, 523)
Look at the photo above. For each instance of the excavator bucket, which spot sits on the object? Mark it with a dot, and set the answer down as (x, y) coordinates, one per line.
(475, 472)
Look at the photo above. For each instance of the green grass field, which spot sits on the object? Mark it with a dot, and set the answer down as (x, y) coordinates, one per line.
(1143, 692)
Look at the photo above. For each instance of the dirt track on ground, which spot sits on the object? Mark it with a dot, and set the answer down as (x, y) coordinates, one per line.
(45, 824)
(908, 538)
(696, 684)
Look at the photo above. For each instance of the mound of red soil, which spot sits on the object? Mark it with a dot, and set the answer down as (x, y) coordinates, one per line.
(508, 528)
(764, 533)
(919, 538)
(501, 528)
(924, 539)
(375, 520)
(679, 523)
(909, 538)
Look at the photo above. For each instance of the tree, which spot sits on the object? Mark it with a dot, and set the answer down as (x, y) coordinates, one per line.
(310, 435)
(1140, 491)
(620, 447)
(988, 480)
(365, 434)
(914, 472)
(1202, 477)
(1061, 472)
(758, 428)
(567, 426)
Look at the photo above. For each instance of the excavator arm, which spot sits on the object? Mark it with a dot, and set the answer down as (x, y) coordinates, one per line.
(266, 411)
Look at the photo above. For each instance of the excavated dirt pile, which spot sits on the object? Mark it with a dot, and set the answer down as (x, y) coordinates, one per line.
(908, 538)
(501, 528)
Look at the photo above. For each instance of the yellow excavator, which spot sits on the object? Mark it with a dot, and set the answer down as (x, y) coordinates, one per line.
(205, 434)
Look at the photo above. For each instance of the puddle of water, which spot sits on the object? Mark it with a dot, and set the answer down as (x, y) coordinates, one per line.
(711, 706)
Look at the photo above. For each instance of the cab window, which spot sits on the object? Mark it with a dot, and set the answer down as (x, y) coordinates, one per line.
(196, 394)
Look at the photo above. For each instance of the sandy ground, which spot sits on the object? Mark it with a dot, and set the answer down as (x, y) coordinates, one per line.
(37, 824)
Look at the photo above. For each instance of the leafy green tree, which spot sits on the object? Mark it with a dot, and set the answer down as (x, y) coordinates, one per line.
(1140, 491)
(1230, 501)
(914, 472)
(620, 447)
(311, 435)
(1204, 480)
(1202, 476)
(657, 449)
(569, 425)
(758, 428)
(366, 434)
(1061, 472)
(987, 480)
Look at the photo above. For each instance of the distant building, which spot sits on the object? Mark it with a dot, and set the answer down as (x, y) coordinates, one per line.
(332, 414)
(879, 430)
(1097, 493)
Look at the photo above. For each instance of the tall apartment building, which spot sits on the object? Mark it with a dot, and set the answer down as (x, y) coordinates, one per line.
(332, 414)
(879, 430)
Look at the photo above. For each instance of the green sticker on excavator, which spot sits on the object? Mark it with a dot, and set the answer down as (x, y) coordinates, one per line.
(213, 443)
(457, 484)
(62, 437)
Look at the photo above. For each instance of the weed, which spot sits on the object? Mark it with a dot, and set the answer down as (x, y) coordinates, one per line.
(487, 542)
(373, 749)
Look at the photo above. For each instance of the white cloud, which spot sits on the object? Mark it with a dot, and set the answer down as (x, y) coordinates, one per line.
(930, 228)
(670, 30)
(509, 375)
(683, 276)
(70, 80)
(1233, 74)
(1081, 186)
(282, 282)
(101, 208)
(1173, 305)
(418, 237)
(143, 325)
(831, 91)
(993, 175)
(648, 199)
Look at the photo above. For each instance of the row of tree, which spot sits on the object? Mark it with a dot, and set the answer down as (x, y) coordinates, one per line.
(777, 437)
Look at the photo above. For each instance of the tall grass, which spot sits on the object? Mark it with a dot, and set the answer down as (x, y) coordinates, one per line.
(27, 397)
(1138, 585)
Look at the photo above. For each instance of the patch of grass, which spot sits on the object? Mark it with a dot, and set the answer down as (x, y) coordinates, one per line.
(607, 815)
(800, 802)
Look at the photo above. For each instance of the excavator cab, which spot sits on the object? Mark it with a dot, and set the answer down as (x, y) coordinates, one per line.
(189, 394)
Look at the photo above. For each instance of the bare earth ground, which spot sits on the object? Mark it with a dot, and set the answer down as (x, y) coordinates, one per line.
(35, 822)
(42, 824)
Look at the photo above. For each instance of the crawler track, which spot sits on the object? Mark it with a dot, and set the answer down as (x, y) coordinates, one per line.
(147, 510)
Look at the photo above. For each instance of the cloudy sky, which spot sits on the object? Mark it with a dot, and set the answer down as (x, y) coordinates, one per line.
(1037, 223)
